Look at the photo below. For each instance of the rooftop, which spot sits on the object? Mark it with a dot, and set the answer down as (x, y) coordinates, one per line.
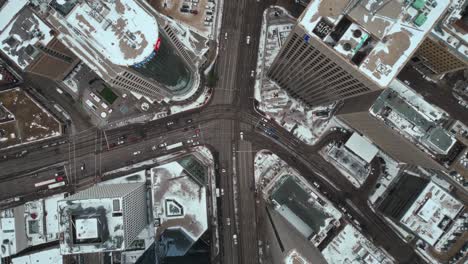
(180, 202)
(8, 11)
(431, 213)
(415, 119)
(376, 36)
(121, 30)
(453, 28)
(94, 220)
(45, 256)
(362, 147)
(302, 207)
(350, 246)
(19, 39)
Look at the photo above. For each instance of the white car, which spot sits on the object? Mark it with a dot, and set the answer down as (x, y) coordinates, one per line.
(136, 153)
(228, 221)
(225, 35)
(242, 135)
(189, 141)
(252, 73)
(247, 40)
(234, 239)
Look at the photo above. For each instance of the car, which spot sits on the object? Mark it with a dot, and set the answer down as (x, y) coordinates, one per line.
(234, 239)
(59, 178)
(228, 221)
(252, 73)
(83, 167)
(162, 145)
(153, 148)
(188, 121)
(193, 11)
(189, 141)
(225, 35)
(170, 123)
(242, 135)
(184, 10)
(223, 170)
(137, 153)
(247, 40)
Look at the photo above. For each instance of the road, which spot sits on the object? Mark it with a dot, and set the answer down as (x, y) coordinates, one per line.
(89, 154)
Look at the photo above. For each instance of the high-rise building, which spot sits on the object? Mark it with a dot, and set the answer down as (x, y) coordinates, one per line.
(345, 48)
(102, 218)
(446, 48)
(122, 43)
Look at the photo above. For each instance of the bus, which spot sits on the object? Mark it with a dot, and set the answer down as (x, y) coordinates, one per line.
(175, 145)
(56, 185)
(43, 183)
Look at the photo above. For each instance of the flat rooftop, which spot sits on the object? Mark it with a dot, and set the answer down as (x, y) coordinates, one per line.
(350, 246)
(8, 10)
(120, 30)
(376, 36)
(453, 28)
(303, 208)
(19, 39)
(91, 224)
(179, 202)
(431, 213)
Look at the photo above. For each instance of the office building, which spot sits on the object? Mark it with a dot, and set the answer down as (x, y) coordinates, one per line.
(341, 49)
(404, 126)
(446, 48)
(102, 218)
(122, 42)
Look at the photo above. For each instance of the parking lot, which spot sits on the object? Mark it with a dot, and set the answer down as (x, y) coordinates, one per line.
(199, 14)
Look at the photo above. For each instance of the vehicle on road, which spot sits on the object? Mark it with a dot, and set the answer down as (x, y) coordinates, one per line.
(234, 239)
(225, 35)
(170, 123)
(83, 167)
(242, 135)
(162, 145)
(252, 73)
(175, 145)
(137, 153)
(188, 121)
(228, 221)
(247, 40)
(189, 141)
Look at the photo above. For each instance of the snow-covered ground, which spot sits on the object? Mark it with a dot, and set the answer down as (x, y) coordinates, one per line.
(350, 246)
(274, 101)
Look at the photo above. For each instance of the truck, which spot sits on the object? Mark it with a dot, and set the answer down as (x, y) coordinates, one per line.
(175, 145)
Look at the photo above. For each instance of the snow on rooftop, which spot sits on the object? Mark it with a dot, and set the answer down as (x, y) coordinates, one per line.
(362, 147)
(428, 215)
(18, 39)
(12, 238)
(452, 34)
(389, 32)
(8, 10)
(120, 30)
(178, 200)
(50, 256)
(350, 246)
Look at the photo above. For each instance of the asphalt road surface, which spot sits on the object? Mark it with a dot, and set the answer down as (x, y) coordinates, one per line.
(91, 152)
